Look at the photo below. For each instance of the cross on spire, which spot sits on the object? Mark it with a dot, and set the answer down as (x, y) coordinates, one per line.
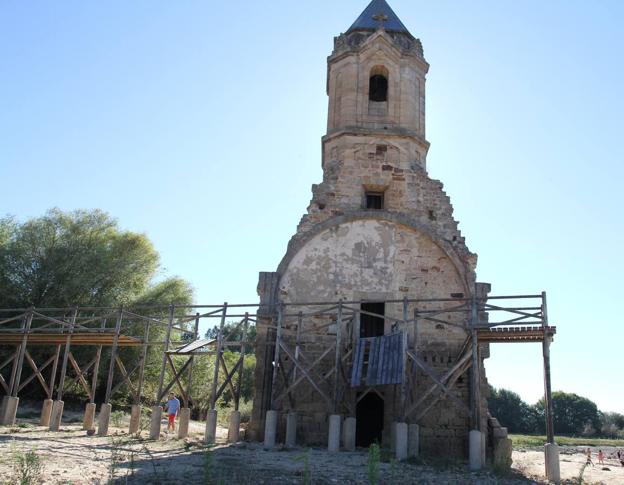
(381, 18)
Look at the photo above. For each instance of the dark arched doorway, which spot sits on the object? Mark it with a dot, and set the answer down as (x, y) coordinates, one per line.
(369, 414)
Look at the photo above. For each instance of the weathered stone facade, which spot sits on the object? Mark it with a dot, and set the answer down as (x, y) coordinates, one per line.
(408, 245)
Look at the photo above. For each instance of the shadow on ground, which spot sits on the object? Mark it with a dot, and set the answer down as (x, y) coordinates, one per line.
(248, 463)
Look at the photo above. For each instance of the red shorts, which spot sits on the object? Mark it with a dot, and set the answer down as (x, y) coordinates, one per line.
(172, 419)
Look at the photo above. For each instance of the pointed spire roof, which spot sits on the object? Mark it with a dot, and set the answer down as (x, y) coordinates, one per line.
(379, 11)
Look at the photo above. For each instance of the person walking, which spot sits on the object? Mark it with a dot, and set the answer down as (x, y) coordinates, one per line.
(173, 406)
(589, 459)
(600, 457)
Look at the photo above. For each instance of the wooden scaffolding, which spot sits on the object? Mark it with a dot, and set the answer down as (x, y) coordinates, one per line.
(347, 368)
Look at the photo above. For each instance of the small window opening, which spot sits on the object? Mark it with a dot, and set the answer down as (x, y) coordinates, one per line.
(378, 88)
(374, 200)
(381, 150)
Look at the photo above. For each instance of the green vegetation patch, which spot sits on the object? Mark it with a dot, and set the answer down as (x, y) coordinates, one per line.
(534, 441)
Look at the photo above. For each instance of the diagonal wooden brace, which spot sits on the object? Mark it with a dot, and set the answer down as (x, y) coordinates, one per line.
(302, 377)
(305, 372)
(425, 368)
(80, 375)
(36, 372)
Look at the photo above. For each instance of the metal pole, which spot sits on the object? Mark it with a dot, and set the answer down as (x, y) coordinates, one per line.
(337, 358)
(111, 367)
(242, 363)
(278, 338)
(215, 376)
(161, 381)
(59, 392)
(548, 406)
(22, 351)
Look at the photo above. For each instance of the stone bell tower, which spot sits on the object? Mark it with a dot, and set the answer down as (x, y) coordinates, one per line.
(378, 230)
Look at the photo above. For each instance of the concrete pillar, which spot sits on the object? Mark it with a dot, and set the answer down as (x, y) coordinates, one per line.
(184, 417)
(46, 412)
(270, 429)
(234, 427)
(57, 415)
(474, 450)
(400, 441)
(9, 410)
(104, 419)
(135, 419)
(89, 416)
(348, 434)
(291, 430)
(154, 433)
(333, 439)
(210, 436)
(551, 456)
(413, 440)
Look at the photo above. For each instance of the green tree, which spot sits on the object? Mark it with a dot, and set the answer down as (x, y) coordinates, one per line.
(79, 258)
(612, 425)
(82, 258)
(512, 412)
(233, 331)
(573, 414)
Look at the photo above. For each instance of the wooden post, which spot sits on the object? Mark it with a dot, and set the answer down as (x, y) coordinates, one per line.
(189, 384)
(242, 363)
(22, 352)
(297, 345)
(111, 367)
(57, 356)
(215, 376)
(476, 381)
(72, 322)
(18, 348)
(337, 359)
(96, 366)
(404, 383)
(548, 406)
(139, 392)
(278, 341)
(163, 367)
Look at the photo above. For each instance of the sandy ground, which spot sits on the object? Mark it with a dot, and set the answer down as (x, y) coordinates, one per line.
(72, 457)
(571, 461)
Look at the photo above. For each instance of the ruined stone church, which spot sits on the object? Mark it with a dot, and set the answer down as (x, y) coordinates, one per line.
(379, 234)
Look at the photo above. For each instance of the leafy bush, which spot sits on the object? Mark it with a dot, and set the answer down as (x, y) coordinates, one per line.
(27, 468)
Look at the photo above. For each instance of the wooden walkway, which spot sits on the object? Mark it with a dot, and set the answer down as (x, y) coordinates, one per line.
(515, 334)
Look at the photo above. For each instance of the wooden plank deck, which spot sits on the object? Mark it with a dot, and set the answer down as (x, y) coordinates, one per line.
(77, 338)
(514, 334)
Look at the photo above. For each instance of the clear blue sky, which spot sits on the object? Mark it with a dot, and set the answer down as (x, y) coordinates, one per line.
(199, 123)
